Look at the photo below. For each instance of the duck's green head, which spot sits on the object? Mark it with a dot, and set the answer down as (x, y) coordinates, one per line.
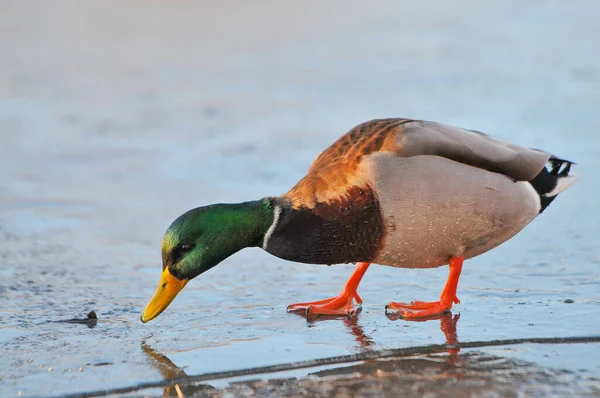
(200, 239)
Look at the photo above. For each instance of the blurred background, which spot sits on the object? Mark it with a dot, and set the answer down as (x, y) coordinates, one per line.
(116, 117)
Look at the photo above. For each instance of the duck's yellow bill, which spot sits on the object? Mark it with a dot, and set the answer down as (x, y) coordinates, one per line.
(168, 288)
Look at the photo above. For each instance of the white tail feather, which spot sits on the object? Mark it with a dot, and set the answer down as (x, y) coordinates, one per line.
(563, 183)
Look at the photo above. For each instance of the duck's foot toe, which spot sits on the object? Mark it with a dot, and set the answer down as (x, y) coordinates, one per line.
(342, 305)
(419, 309)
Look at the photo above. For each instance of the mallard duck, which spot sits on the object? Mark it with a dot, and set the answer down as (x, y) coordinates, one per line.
(396, 192)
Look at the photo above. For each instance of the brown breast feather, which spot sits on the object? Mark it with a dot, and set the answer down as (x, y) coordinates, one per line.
(336, 170)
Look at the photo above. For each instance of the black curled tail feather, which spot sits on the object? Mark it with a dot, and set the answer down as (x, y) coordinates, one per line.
(554, 178)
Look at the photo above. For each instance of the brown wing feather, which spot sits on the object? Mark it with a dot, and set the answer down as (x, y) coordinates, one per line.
(335, 170)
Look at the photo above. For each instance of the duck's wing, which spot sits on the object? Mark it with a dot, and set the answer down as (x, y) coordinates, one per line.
(336, 171)
(470, 147)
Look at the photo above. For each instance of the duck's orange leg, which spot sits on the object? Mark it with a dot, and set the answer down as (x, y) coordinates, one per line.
(343, 304)
(418, 309)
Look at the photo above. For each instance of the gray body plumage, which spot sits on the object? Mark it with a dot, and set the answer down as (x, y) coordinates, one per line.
(449, 192)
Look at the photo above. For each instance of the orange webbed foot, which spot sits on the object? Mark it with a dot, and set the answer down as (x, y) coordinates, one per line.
(343, 304)
(420, 309)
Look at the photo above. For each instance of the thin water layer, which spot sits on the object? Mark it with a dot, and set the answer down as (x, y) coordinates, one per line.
(470, 373)
(116, 118)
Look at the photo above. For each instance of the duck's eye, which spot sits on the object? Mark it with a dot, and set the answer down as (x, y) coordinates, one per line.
(180, 250)
(186, 247)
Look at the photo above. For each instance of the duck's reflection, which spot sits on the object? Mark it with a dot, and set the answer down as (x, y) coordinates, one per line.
(364, 340)
(164, 365)
(170, 371)
(448, 324)
(420, 373)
